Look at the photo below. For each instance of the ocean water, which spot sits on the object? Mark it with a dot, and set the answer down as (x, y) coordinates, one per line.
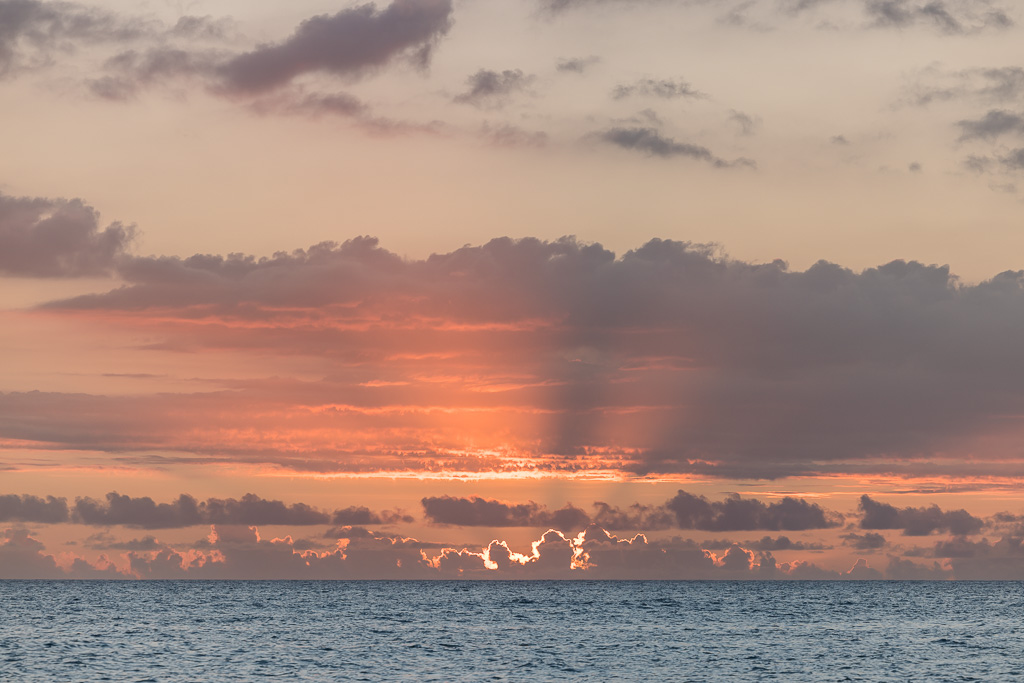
(524, 631)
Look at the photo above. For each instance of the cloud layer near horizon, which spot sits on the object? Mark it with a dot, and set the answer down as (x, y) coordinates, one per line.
(554, 356)
(239, 552)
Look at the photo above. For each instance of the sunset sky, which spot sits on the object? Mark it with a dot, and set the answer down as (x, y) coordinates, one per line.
(512, 289)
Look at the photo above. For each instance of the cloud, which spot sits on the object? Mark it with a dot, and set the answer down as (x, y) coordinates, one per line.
(666, 89)
(683, 511)
(576, 64)
(32, 32)
(995, 123)
(867, 541)
(652, 143)
(57, 238)
(362, 515)
(24, 557)
(186, 511)
(736, 514)
(14, 508)
(916, 521)
(476, 511)
(488, 88)
(956, 17)
(987, 85)
(745, 124)
(346, 44)
(561, 356)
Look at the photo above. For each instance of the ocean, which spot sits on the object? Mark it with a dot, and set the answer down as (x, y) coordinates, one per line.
(523, 631)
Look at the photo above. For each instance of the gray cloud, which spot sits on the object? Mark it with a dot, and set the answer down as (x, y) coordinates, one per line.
(1013, 160)
(31, 32)
(953, 17)
(358, 515)
(665, 88)
(57, 238)
(476, 511)
(765, 544)
(995, 123)
(14, 508)
(740, 514)
(347, 44)
(987, 85)
(649, 141)
(917, 521)
(868, 541)
(683, 511)
(493, 88)
(186, 511)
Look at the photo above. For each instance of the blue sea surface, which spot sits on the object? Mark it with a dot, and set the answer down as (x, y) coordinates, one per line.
(529, 631)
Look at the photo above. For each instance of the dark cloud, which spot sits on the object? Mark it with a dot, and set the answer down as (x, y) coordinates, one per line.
(683, 511)
(476, 511)
(839, 140)
(493, 88)
(347, 44)
(57, 238)
(352, 516)
(665, 88)
(14, 508)
(652, 143)
(867, 541)
(577, 64)
(24, 557)
(186, 511)
(917, 521)
(995, 123)
(741, 514)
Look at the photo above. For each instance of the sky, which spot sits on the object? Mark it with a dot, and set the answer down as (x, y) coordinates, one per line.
(668, 289)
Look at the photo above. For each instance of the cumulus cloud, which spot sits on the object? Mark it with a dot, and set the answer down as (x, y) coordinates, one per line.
(476, 511)
(57, 238)
(25, 557)
(488, 88)
(143, 512)
(49, 510)
(666, 89)
(736, 514)
(652, 143)
(917, 521)
(683, 511)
